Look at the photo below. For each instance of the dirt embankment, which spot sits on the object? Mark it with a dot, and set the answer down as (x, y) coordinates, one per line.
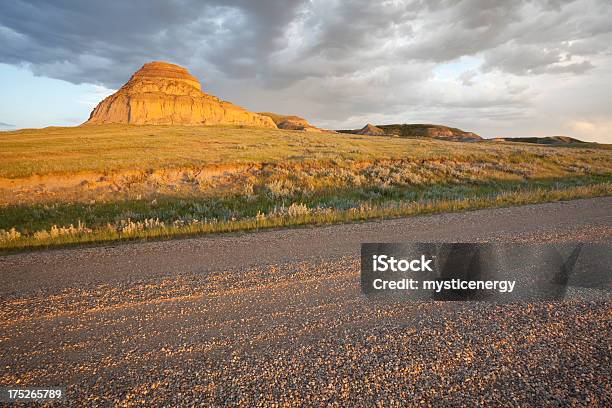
(88, 186)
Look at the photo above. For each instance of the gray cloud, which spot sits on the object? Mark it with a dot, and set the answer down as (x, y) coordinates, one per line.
(530, 59)
(339, 63)
(3, 124)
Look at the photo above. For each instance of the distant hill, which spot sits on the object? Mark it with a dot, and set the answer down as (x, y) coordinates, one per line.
(292, 122)
(371, 130)
(547, 140)
(418, 130)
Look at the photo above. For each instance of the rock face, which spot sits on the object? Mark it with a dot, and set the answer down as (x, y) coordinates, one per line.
(290, 122)
(370, 130)
(161, 93)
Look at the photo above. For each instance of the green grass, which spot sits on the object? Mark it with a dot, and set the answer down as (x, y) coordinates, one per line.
(331, 216)
(131, 182)
(36, 217)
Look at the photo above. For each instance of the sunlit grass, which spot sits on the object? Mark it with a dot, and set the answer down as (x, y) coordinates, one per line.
(111, 148)
(64, 186)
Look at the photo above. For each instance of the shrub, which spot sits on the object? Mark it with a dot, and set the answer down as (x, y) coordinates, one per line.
(9, 235)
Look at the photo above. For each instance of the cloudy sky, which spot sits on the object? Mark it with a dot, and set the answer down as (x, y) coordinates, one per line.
(499, 68)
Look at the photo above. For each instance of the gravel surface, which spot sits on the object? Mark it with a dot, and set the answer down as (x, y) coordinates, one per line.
(277, 318)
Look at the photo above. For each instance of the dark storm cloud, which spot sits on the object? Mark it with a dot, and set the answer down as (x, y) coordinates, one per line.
(105, 41)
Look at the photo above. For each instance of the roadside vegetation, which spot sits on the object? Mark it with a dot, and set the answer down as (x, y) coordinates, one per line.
(62, 186)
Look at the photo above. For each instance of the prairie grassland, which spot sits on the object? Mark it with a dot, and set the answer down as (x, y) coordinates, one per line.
(61, 186)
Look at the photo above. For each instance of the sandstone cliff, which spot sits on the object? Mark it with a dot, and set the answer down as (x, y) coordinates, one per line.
(161, 93)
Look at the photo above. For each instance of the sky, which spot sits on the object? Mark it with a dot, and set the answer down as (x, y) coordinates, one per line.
(495, 67)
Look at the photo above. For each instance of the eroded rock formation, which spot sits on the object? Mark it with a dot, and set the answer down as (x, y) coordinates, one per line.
(161, 93)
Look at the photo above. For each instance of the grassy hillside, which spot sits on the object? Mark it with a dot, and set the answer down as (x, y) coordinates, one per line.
(127, 147)
(419, 131)
(564, 141)
(123, 182)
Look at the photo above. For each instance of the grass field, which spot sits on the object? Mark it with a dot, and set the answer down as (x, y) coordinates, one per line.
(96, 183)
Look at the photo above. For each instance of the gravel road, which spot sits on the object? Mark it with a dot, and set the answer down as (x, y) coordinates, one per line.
(277, 317)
